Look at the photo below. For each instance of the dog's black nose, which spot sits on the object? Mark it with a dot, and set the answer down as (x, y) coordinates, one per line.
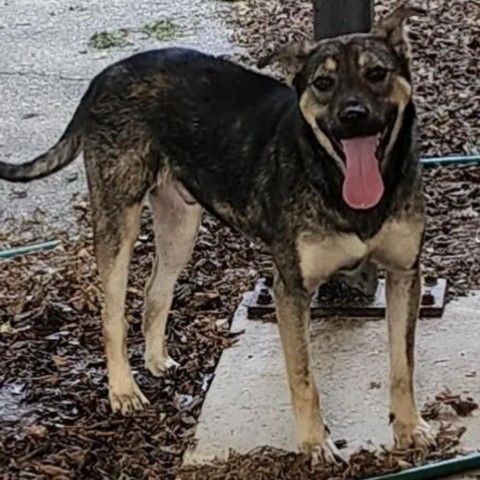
(353, 113)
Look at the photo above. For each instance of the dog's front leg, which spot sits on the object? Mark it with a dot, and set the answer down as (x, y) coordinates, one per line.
(292, 306)
(403, 299)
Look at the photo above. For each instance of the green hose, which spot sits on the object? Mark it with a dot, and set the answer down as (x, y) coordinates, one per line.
(14, 252)
(458, 160)
(456, 466)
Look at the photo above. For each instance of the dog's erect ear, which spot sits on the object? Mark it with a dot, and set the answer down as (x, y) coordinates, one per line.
(292, 56)
(392, 27)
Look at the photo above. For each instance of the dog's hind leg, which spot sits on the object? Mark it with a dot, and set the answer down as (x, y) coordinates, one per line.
(176, 226)
(118, 183)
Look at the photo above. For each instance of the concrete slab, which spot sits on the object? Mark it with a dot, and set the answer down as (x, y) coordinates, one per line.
(46, 66)
(248, 404)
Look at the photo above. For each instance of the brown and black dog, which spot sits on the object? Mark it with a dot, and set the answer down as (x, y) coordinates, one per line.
(326, 175)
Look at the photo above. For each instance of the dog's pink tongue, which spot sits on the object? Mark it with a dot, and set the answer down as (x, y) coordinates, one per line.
(363, 186)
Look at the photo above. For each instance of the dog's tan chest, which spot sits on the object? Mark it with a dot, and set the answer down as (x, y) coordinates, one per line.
(398, 243)
(396, 246)
(322, 256)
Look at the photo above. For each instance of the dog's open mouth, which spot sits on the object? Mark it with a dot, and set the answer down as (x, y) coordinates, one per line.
(363, 186)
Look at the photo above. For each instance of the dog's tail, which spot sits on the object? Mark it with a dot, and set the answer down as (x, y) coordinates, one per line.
(59, 156)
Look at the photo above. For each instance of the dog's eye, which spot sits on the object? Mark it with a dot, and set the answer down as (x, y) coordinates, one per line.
(376, 74)
(324, 84)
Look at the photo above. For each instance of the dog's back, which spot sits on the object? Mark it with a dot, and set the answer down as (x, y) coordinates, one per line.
(176, 96)
(187, 97)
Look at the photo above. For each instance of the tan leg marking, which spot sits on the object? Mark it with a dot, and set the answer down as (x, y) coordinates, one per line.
(403, 297)
(319, 257)
(293, 319)
(398, 250)
(124, 394)
(176, 226)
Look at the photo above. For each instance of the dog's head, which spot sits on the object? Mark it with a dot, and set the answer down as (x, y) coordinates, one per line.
(353, 91)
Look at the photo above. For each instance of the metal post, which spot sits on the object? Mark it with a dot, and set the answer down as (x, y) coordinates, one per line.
(337, 17)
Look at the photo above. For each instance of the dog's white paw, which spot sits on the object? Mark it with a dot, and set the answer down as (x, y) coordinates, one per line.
(158, 365)
(127, 398)
(322, 452)
(416, 433)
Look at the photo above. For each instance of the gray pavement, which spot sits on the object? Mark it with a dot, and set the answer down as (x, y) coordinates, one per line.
(248, 404)
(45, 67)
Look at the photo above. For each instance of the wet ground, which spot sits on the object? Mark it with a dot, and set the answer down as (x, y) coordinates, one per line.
(12, 408)
(45, 68)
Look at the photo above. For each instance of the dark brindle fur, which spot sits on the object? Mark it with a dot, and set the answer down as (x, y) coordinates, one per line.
(194, 132)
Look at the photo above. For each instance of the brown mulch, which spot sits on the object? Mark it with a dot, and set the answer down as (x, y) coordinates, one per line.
(55, 420)
(448, 403)
(52, 368)
(267, 463)
(452, 241)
